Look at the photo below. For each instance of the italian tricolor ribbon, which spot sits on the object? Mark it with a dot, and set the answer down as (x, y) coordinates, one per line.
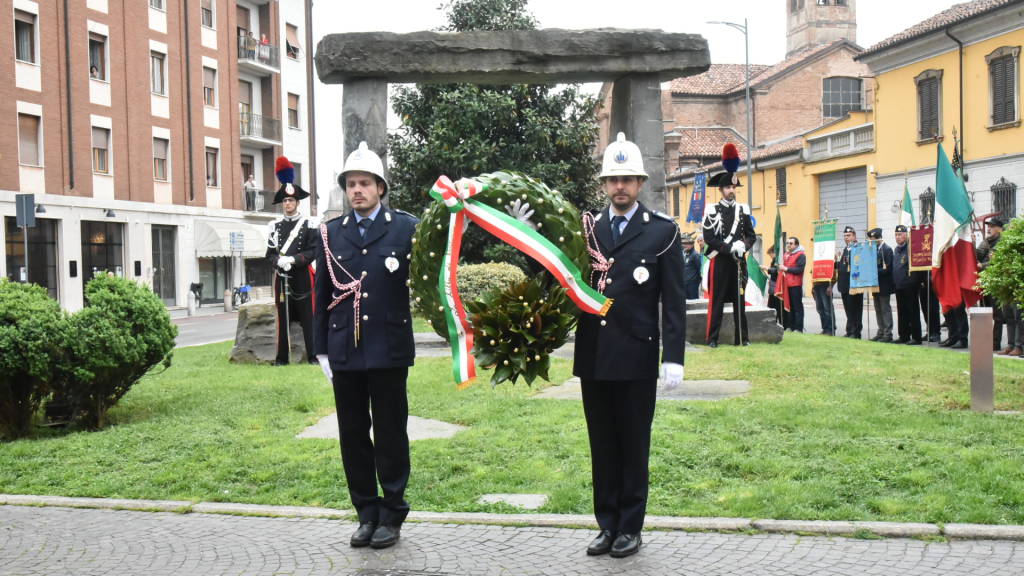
(458, 198)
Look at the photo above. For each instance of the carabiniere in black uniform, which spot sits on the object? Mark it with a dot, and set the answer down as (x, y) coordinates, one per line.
(292, 236)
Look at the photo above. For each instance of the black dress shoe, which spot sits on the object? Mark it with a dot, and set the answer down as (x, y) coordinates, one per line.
(947, 342)
(960, 345)
(934, 338)
(385, 535)
(876, 338)
(746, 342)
(602, 544)
(625, 545)
(362, 536)
(712, 344)
(900, 341)
(885, 339)
(913, 343)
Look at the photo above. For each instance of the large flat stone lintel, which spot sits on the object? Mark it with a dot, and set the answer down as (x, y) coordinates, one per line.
(510, 57)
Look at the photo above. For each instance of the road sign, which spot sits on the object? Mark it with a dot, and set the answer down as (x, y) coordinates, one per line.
(26, 210)
(236, 241)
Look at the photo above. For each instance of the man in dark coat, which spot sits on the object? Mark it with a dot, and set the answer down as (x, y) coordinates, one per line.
(984, 255)
(729, 235)
(365, 346)
(291, 249)
(853, 304)
(691, 268)
(616, 356)
(906, 284)
(880, 299)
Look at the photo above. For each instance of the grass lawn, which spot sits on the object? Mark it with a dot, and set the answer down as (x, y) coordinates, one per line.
(833, 429)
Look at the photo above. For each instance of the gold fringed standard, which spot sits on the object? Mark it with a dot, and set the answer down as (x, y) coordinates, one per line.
(605, 307)
(466, 384)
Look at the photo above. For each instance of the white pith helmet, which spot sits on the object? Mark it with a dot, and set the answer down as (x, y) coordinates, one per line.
(622, 158)
(363, 159)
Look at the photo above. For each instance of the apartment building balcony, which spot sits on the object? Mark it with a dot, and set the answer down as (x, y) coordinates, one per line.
(257, 58)
(260, 203)
(259, 131)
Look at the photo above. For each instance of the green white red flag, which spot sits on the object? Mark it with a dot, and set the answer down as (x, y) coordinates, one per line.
(956, 275)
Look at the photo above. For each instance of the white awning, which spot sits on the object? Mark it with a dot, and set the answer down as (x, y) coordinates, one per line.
(214, 239)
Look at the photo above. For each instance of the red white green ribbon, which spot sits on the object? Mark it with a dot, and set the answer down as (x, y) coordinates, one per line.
(458, 199)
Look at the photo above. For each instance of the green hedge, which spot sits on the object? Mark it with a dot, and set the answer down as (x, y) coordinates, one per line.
(1004, 277)
(31, 333)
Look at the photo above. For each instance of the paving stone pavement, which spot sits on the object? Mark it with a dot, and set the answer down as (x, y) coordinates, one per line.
(52, 540)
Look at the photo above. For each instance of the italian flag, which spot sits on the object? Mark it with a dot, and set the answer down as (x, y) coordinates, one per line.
(957, 273)
(907, 209)
(757, 284)
(824, 251)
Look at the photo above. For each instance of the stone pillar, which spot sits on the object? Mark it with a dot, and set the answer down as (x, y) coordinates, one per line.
(982, 377)
(636, 111)
(364, 117)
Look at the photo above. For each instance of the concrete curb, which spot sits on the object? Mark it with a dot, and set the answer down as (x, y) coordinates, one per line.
(697, 524)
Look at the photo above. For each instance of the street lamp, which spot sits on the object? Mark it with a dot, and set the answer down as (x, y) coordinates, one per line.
(750, 121)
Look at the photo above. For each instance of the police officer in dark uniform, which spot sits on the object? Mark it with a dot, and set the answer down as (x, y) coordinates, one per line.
(853, 304)
(729, 235)
(906, 284)
(291, 249)
(616, 356)
(365, 346)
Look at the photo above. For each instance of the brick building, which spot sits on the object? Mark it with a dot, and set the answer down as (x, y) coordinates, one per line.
(136, 125)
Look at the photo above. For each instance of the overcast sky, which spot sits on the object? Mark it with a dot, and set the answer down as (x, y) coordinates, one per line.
(876, 20)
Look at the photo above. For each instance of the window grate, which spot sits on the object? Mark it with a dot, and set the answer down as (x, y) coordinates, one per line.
(1004, 198)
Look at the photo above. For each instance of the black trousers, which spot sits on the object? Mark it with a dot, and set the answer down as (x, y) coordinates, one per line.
(300, 309)
(908, 315)
(930, 308)
(796, 308)
(619, 416)
(722, 280)
(956, 323)
(853, 304)
(386, 458)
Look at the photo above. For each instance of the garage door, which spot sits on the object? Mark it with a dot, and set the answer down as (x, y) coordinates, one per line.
(845, 195)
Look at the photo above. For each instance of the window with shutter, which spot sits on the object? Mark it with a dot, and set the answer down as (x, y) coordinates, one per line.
(1002, 72)
(929, 105)
(780, 185)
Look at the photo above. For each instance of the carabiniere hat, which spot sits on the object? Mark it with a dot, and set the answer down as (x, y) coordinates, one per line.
(731, 163)
(286, 174)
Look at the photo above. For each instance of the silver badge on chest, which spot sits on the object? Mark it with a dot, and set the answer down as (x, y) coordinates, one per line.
(640, 274)
(391, 263)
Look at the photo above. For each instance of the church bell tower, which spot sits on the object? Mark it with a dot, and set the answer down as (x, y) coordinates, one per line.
(811, 23)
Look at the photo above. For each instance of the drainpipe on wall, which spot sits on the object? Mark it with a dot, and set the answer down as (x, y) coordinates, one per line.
(310, 104)
(188, 111)
(960, 80)
(67, 96)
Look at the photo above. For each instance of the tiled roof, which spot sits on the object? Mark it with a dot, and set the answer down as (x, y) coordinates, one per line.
(957, 13)
(780, 148)
(707, 143)
(722, 79)
(718, 79)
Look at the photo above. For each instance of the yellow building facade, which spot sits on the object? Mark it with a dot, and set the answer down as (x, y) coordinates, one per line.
(855, 169)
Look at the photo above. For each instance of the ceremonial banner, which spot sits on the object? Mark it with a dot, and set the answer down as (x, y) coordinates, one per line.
(864, 268)
(696, 214)
(756, 293)
(824, 250)
(920, 246)
(956, 268)
(907, 208)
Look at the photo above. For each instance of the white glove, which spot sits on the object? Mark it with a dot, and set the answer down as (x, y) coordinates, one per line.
(671, 375)
(739, 248)
(521, 211)
(325, 365)
(285, 262)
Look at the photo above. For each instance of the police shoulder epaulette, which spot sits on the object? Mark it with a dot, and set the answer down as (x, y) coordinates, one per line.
(663, 216)
(406, 214)
(712, 209)
(745, 209)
